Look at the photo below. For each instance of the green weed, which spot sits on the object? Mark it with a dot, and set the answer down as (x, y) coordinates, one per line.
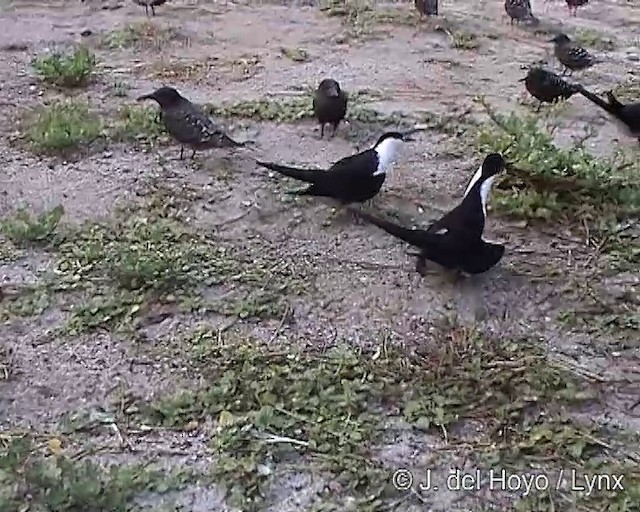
(328, 411)
(24, 228)
(141, 35)
(56, 483)
(548, 181)
(590, 38)
(62, 126)
(66, 69)
(295, 54)
(135, 122)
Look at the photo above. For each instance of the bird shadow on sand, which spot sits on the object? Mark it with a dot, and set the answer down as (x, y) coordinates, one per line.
(497, 294)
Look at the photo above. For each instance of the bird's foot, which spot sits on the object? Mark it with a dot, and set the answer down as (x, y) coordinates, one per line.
(421, 267)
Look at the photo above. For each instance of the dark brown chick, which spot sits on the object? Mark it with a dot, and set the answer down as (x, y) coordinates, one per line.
(427, 7)
(329, 104)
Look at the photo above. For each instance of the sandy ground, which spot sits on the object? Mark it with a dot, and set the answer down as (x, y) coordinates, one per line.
(363, 285)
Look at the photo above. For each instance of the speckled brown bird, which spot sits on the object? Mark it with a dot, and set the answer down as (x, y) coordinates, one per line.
(571, 55)
(574, 4)
(188, 123)
(520, 10)
(426, 7)
(150, 4)
(329, 104)
(548, 87)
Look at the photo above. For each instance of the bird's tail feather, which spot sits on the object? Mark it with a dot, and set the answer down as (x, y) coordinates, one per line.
(306, 175)
(609, 107)
(415, 237)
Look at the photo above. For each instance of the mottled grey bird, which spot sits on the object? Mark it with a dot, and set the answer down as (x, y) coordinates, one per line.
(627, 116)
(571, 55)
(150, 4)
(547, 86)
(329, 104)
(188, 123)
(520, 10)
(574, 4)
(426, 7)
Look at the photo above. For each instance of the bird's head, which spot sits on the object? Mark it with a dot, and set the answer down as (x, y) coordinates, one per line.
(560, 39)
(483, 179)
(165, 96)
(330, 88)
(388, 146)
(493, 164)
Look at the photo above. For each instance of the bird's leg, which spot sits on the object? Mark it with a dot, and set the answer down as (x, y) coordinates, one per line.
(181, 152)
(539, 106)
(146, 9)
(421, 265)
(321, 130)
(193, 154)
(153, 10)
(335, 129)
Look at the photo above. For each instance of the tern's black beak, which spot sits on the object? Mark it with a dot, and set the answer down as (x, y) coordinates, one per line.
(522, 79)
(509, 166)
(146, 97)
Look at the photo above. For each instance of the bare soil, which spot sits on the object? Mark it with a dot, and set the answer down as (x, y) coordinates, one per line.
(360, 285)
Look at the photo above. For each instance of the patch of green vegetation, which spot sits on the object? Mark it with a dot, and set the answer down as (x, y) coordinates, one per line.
(6, 366)
(296, 54)
(141, 35)
(462, 40)
(27, 229)
(548, 182)
(628, 91)
(291, 110)
(358, 17)
(60, 126)
(120, 89)
(30, 480)
(72, 69)
(332, 410)
(148, 257)
(590, 38)
(596, 310)
(30, 301)
(283, 111)
(135, 122)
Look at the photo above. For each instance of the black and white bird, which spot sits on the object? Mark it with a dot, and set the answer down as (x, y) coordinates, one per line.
(150, 4)
(520, 10)
(426, 7)
(188, 123)
(627, 116)
(547, 86)
(329, 104)
(355, 178)
(455, 241)
(571, 55)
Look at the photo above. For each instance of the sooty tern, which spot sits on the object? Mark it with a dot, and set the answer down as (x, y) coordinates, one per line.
(455, 240)
(356, 178)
